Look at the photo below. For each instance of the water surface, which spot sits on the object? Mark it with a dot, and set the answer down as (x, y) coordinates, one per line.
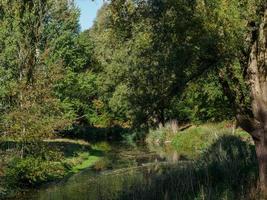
(117, 173)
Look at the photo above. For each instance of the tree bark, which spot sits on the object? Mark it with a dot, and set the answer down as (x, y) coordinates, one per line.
(261, 151)
(256, 124)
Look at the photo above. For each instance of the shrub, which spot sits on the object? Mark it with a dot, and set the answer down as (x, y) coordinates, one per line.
(32, 171)
(156, 136)
(2, 191)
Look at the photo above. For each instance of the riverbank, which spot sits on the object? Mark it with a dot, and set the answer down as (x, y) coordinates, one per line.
(224, 161)
(226, 168)
(193, 140)
(210, 161)
(56, 159)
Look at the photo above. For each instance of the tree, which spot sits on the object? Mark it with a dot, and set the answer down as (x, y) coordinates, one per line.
(150, 49)
(255, 121)
(30, 107)
(169, 44)
(202, 101)
(241, 29)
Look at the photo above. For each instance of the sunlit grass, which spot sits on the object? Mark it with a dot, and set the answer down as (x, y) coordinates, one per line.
(87, 161)
(193, 141)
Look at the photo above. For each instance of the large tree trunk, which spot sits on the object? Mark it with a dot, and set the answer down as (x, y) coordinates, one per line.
(261, 150)
(256, 124)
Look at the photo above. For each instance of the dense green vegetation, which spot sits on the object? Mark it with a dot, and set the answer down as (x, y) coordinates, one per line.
(146, 70)
(58, 158)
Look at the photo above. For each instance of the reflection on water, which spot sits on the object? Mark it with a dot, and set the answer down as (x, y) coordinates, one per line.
(167, 152)
(122, 168)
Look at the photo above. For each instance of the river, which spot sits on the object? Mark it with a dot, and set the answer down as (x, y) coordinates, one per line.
(120, 170)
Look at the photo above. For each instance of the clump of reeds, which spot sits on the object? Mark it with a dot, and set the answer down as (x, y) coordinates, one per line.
(163, 134)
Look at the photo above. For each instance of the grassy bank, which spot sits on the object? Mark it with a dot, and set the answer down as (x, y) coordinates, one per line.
(196, 139)
(223, 164)
(225, 170)
(51, 160)
(220, 164)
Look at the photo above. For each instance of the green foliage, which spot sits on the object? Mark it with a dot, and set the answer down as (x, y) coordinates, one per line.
(28, 40)
(142, 63)
(47, 161)
(203, 101)
(31, 171)
(168, 46)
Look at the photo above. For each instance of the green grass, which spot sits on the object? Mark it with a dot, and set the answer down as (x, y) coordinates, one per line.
(194, 141)
(223, 166)
(197, 139)
(78, 154)
(88, 161)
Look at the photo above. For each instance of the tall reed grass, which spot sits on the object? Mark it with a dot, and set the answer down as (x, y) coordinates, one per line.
(163, 134)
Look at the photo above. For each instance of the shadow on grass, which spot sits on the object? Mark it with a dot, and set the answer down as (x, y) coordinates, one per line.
(8, 145)
(71, 149)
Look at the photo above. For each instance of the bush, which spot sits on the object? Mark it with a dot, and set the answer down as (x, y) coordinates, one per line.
(31, 171)
(2, 191)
